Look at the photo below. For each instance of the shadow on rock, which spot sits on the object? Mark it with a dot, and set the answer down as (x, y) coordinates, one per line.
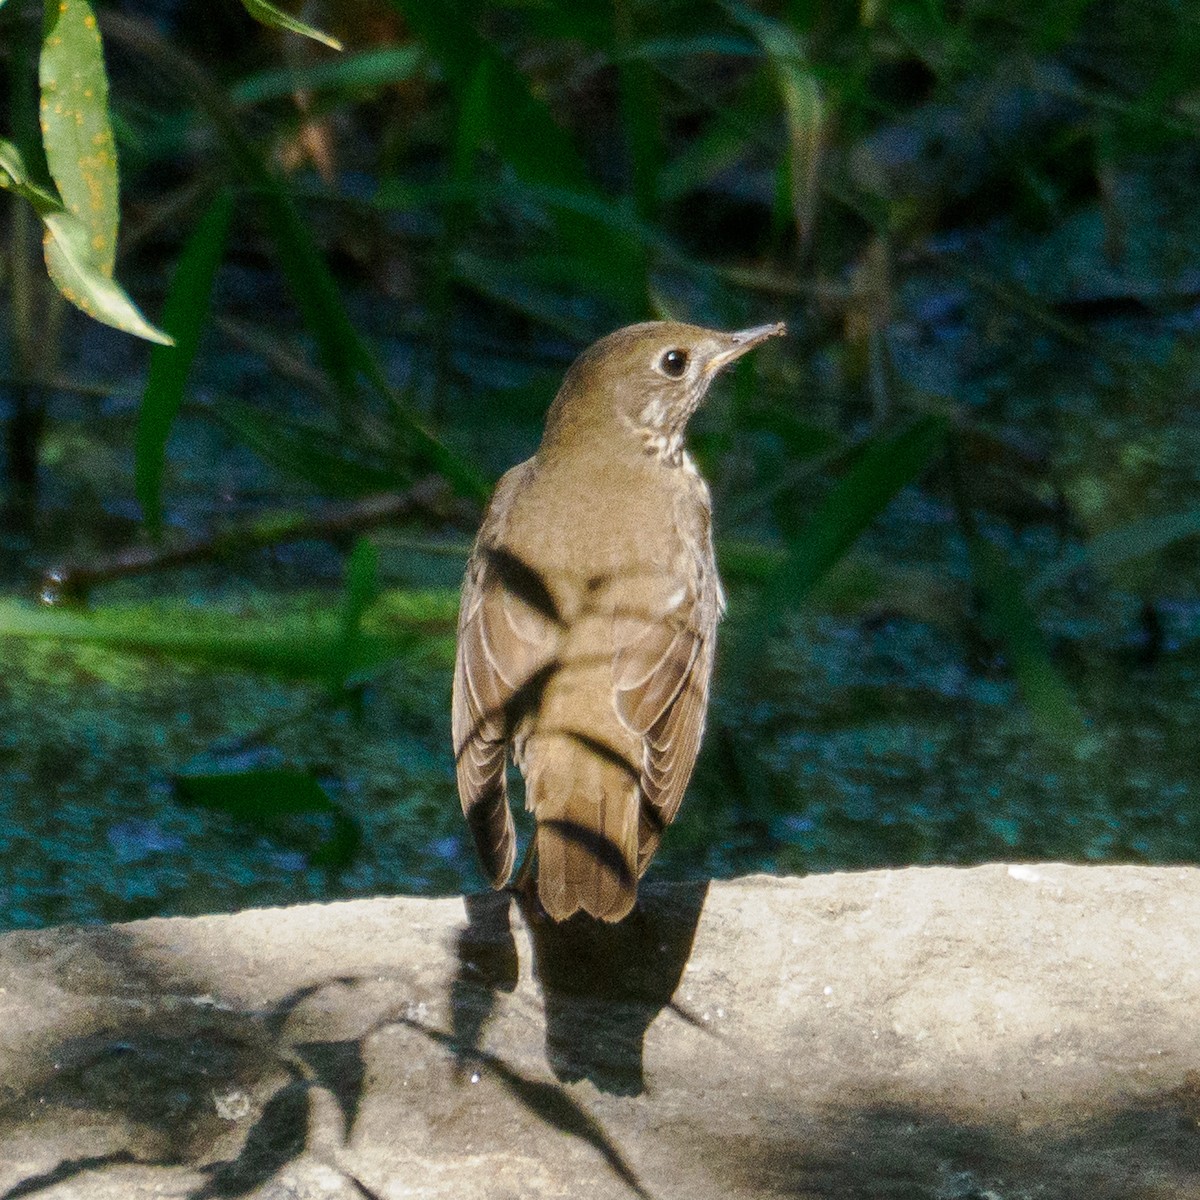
(1149, 1148)
(179, 1078)
(487, 963)
(604, 984)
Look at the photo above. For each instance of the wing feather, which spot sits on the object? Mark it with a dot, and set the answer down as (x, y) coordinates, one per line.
(661, 674)
(505, 643)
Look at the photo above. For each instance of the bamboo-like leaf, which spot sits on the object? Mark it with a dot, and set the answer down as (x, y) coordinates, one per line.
(76, 131)
(1011, 620)
(1121, 544)
(15, 177)
(66, 248)
(297, 646)
(370, 69)
(265, 799)
(527, 137)
(184, 315)
(313, 454)
(362, 587)
(526, 134)
(276, 18)
(804, 109)
(344, 354)
(881, 469)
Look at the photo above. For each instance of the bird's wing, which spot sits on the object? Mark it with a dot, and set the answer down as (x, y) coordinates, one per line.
(661, 672)
(507, 637)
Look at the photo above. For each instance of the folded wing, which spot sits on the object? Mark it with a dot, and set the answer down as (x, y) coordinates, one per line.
(507, 636)
(661, 673)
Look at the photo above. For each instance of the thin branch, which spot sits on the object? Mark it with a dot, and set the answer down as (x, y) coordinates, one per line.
(430, 497)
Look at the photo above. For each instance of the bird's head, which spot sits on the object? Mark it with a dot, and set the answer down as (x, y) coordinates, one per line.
(645, 381)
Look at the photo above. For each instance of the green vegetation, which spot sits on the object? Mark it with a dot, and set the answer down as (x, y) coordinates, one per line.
(957, 507)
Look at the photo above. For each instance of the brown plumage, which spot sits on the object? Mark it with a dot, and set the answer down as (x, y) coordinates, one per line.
(588, 622)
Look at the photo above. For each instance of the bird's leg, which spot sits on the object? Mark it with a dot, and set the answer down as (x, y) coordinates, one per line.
(524, 884)
(523, 881)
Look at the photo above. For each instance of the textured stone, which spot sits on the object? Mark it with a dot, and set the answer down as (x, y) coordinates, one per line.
(998, 1032)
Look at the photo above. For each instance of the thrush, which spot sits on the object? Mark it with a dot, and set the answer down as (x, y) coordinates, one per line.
(588, 622)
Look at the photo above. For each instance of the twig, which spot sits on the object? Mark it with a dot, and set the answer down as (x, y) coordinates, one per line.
(430, 497)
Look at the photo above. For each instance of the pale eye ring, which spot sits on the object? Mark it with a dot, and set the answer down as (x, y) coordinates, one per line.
(673, 363)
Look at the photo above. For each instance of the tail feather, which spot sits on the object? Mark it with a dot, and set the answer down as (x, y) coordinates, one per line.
(587, 809)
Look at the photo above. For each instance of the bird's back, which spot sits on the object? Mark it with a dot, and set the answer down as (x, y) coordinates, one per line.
(581, 761)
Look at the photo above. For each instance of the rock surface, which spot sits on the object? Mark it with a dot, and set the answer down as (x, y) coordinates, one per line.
(952, 1034)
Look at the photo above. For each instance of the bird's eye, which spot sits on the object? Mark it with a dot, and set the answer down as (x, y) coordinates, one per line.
(674, 363)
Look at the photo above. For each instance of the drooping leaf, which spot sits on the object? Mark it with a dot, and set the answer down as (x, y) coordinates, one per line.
(318, 456)
(184, 316)
(802, 438)
(67, 248)
(526, 136)
(300, 645)
(276, 18)
(804, 110)
(265, 800)
(344, 353)
(639, 112)
(68, 261)
(15, 177)
(1010, 619)
(76, 131)
(362, 587)
(882, 467)
(1121, 544)
(370, 69)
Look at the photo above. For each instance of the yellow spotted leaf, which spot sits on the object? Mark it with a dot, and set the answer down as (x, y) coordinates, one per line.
(76, 130)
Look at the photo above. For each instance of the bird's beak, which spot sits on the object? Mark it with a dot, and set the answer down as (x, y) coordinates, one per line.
(738, 343)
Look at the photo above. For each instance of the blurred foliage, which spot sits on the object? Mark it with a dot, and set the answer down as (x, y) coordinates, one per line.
(978, 220)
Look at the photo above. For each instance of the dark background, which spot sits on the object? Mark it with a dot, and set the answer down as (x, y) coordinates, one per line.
(955, 509)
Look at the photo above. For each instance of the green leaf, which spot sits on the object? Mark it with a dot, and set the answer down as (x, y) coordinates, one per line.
(362, 588)
(357, 72)
(67, 248)
(344, 354)
(526, 137)
(265, 800)
(804, 109)
(68, 260)
(1121, 544)
(15, 177)
(802, 438)
(882, 467)
(268, 14)
(342, 351)
(184, 315)
(1010, 619)
(324, 459)
(526, 134)
(76, 131)
(297, 645)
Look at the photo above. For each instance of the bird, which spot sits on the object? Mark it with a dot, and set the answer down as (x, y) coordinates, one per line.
(588, 620)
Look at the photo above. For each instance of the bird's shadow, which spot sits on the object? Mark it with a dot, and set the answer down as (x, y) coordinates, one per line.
(602, 985)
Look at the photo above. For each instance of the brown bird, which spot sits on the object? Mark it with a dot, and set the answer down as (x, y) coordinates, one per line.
(588, 622)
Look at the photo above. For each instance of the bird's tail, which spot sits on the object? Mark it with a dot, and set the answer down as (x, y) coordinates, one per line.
(586, 799)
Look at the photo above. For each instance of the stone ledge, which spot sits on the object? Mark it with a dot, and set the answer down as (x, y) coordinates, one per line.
(932, 1032)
